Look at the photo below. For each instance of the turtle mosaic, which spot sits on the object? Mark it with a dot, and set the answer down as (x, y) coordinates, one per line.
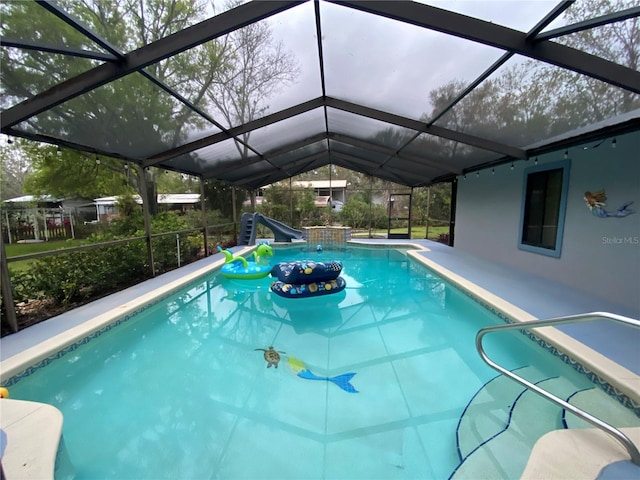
(271, 356)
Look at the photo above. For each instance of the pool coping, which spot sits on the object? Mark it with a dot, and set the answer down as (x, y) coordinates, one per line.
(595, 365)
(35, 433)
(578, 454)
(48, 350)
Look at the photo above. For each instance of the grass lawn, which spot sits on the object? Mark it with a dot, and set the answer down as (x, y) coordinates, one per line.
(416, 232)
(17, 249)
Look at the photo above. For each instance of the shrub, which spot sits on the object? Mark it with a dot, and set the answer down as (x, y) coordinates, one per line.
(77, 276)
(356, 213)
(443, 238)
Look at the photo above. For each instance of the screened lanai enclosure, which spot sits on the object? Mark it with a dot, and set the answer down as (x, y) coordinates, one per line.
(412, 92)
(252, 93)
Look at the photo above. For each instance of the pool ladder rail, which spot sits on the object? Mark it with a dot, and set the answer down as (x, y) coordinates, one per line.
(584, 317)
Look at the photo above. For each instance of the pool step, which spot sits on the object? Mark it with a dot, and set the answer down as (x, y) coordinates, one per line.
(505, 453)
(487, 414)
(602, 406)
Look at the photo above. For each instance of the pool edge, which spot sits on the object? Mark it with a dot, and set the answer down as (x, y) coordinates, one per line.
(622, 380)
(50, 348)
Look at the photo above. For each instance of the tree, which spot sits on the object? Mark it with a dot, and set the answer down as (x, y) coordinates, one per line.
(355, 213)
(277, 203)
(254, 68)
(219, 197)
(173, 182)
(305, 209)
(251, 68)
(65, 173)
(234, 75)
(15, 169)
(130, 115)
(531, 100)
(590, 99)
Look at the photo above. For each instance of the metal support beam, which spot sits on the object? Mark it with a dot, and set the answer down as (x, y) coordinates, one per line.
(5, 282)
(147, 220)
(119, 55)
(203, 210)
(179, 42)
(426, 128)
(556, 12)
(55, 9)
(382, 173)
(58, 49)
(309, 158)
(318, 137)
(364, 144)
(37, 137)
(501, 37)
(234, 132)
(589, 24)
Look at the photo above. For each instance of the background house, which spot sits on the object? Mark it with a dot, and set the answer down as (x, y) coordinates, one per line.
(600, 256)
(106, 207)
(42, 217)
(333, 192)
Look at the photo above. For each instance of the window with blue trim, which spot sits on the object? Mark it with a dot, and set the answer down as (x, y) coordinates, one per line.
(543, 208)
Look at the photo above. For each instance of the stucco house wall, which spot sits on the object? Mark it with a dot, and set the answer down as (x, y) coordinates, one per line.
(600, 256)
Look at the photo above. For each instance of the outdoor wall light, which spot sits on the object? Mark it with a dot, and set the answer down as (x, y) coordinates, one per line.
(614, 143)
(97, 160)
(59, 152)
(493, 171)
(477, 174)
(512, 166)
(9, 141)
(535, 162)
(566, 154)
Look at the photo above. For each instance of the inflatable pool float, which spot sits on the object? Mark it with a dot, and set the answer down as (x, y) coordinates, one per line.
(302, 290)
(307, 278)
(306, 271)
(239, 268)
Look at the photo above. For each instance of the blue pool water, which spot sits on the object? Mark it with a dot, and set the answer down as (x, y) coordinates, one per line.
(179, 390)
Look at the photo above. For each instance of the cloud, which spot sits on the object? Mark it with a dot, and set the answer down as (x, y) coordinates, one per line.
(387, 64)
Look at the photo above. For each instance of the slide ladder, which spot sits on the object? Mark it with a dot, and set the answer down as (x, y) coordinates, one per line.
(281, 231)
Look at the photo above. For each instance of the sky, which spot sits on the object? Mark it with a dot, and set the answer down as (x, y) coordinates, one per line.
(387, 64)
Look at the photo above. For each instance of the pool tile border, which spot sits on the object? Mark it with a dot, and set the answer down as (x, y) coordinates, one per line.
(22, 365)
(578, 356)
(84, 340)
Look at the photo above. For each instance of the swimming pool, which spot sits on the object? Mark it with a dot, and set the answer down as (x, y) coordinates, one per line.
(179, 390)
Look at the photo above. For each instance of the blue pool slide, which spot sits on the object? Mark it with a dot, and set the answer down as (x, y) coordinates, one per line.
(281, 231)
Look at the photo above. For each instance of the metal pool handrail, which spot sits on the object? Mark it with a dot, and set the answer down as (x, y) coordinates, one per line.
(585, 317)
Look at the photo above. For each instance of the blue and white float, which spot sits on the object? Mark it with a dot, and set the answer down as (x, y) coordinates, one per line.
(307, 278)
